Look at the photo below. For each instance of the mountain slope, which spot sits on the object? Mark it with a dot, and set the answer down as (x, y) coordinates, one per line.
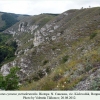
(58, 52)
(9, 19)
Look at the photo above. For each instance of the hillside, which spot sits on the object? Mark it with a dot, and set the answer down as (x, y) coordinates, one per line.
(58, 52)
(9, 19)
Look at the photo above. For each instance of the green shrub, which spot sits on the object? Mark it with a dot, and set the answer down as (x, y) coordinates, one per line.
(10, 82)
(41, 73)
(57, 77)
(65, 58)
(88, 68)
(53, 48)
(45, 62)
(93, 35)
(48, 70)
(37, 75)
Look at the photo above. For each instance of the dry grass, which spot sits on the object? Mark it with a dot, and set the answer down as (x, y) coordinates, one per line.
(83, 54)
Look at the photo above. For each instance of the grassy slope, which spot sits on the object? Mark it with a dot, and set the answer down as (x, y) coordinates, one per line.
(69, 73)
(83, 55)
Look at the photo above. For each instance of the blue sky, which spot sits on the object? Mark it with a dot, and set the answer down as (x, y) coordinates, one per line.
(34, 7)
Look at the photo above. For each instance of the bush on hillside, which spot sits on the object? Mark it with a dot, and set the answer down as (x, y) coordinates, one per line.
(45, 62)
(10, 82)
(93, 35)
(65, 58)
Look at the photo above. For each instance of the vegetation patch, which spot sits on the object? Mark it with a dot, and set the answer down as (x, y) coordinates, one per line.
(45, 62)
(95, 84)
(93, 35)
(9, 19)
(7, 48)
(88, 68)
(65, 58)
(10, 82)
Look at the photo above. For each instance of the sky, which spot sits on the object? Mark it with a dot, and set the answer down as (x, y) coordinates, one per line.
(35, 7)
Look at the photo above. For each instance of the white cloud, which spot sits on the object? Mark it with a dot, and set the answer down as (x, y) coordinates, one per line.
(14, 6)
(44, 6)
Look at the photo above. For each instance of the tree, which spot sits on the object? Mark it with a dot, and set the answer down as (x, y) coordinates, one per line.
(10, 82)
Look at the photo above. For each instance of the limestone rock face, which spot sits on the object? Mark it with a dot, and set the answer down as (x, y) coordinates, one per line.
(22, 27)
(38, 39)
(5, 70)
(32, 28)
